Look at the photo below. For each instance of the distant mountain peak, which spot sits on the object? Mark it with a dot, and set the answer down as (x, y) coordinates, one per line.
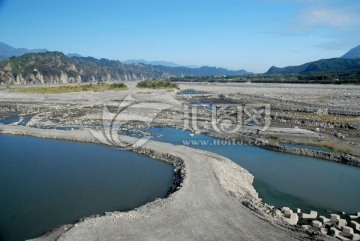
(322, 65)
(7, 51)
(70, 55)
(143, 61)
(353, 53)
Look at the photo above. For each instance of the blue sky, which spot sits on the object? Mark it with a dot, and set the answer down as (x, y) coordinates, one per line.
(250, 34)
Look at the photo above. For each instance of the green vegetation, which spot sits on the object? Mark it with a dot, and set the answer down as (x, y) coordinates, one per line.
(55, 65)
(157, 84)
(70, 88)
(341, 77)
(321, 66)
(118, 86)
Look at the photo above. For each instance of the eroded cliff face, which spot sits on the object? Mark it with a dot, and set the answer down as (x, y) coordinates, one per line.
(7, 77)
(56, 68)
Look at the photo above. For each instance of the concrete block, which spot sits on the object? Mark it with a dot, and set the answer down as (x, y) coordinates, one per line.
(293, 219)
(341, 223)
(316, 224)
(355, 216)
(287, 211)
(298, 211)
(347, 230)
(323, 219)
(334, 217)
(355, 237)
(278, 213)
(355, 225)
(335, 232)
(311, 215)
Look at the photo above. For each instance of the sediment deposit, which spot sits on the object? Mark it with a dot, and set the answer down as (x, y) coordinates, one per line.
(212, 198)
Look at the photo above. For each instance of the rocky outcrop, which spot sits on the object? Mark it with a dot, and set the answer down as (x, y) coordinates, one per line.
(55, 67)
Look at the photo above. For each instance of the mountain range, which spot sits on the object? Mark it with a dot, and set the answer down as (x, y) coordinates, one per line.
(39, 66)
(353, 53)
(7, 51)
(143, 61)
(319, 66)
(349, 62)
(56, 67)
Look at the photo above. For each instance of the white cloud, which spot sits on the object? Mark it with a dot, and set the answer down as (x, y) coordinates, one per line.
(327, 17)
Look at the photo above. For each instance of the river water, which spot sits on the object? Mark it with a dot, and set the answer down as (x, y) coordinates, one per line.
(46, 183)
(283, 179)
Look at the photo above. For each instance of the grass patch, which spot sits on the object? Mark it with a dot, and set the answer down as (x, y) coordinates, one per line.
(157, 84)
(70, 88)
(335, 149)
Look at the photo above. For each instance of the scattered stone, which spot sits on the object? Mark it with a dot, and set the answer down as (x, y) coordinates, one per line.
(306, 227)
(339, 135)
(324, 231)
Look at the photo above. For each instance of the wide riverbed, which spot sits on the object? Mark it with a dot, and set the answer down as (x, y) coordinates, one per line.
(283, 179)
(45, 183)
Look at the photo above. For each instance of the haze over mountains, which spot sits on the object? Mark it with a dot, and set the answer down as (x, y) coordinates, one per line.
(163, 63)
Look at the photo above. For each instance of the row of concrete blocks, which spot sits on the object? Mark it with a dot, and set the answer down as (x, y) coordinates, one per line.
(339, 225)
